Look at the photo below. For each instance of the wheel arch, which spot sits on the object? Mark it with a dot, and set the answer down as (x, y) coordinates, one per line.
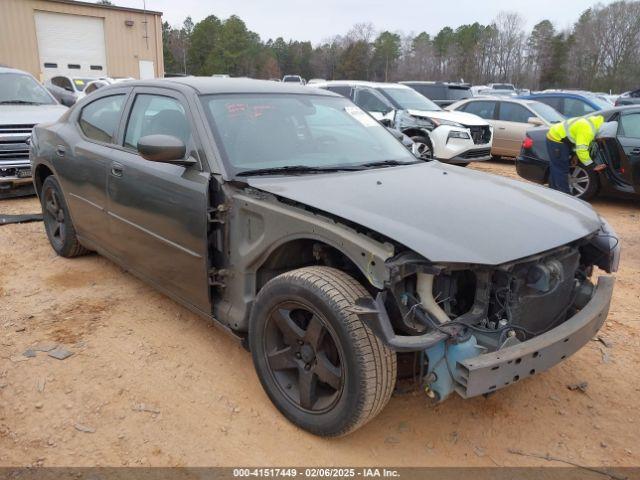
(40, 174)
(415, 132)
(294, 253)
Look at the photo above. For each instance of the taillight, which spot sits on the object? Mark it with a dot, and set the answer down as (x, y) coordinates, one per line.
(527, 143)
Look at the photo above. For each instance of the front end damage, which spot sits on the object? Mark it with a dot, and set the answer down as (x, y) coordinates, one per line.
(474, 329)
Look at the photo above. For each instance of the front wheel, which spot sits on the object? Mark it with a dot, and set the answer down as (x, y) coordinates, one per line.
(422, 147)
(583, 182)
(320, 365)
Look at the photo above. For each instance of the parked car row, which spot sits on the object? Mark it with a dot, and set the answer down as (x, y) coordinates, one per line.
(453, 137)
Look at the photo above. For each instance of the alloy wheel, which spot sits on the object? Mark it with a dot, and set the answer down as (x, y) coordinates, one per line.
(303, 357)
(54, 216)
(421, 150)
(578, 181)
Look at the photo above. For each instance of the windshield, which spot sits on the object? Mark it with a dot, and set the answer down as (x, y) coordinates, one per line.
(271, 131)
(20, 88)
(503, 86)
(80, 83)
(408, 98)
(549, 114)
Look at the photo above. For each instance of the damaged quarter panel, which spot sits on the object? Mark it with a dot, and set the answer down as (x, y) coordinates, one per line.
(261, 224)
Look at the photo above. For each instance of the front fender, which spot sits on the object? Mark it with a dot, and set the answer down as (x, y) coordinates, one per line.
(260, 224)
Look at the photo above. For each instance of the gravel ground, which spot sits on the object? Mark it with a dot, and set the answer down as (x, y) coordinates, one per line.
(149, 383)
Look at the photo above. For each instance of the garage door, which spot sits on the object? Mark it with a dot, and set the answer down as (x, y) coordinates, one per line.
(71, 45)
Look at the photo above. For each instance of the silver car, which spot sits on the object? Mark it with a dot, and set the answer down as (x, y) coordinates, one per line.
(23, 103)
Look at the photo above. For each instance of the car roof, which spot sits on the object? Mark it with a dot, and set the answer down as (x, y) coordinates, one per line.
(13, 70)
(360, 83)
(435, 82)
(210, 85)
(521, 101)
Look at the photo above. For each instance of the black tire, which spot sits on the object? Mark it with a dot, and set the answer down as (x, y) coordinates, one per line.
(583, 182)
(313, 303)
(57, 221)
(427, 151)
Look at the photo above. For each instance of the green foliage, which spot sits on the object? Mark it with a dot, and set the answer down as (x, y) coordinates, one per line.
(386, 52)
(598, 52)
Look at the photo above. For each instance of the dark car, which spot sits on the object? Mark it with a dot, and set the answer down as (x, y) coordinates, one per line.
(570, 104)
(291, 219)
(628, 98)
(619, 149)
(441, 93)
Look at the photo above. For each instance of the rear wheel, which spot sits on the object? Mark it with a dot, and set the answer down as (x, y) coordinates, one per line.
(57, 221)
(583, 182)
(320, 365)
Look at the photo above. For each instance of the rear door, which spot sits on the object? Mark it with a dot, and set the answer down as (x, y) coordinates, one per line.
(629, 139)
(83, 152)
(158, 211)
(510, 128)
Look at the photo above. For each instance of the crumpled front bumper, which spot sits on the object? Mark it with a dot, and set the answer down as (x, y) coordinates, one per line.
(491, 371)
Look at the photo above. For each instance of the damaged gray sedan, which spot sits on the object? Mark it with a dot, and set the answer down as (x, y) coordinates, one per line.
(297, 223)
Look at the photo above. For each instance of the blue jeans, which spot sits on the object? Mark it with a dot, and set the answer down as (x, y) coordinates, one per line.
(560, 159)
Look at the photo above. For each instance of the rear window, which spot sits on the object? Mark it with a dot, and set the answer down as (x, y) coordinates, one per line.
(550, 114)
(433, 92)
(459, 93)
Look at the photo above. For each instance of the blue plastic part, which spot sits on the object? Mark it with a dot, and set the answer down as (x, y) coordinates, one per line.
(443, 358)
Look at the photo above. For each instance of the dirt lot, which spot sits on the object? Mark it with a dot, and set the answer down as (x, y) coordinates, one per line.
(150, 383)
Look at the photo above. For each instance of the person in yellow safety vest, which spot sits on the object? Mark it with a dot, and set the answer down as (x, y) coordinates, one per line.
(562, 138)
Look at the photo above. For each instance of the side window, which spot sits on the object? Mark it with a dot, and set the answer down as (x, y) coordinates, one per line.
(370, 102)
(512, 112)
(345, 91)
(61, 82)
(484, 110)
(156, 115)
(99, 120)
(553, 102)
(576, 108)
(630, 125)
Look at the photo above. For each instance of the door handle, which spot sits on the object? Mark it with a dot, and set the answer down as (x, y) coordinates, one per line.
(60, 150)
(116, 169)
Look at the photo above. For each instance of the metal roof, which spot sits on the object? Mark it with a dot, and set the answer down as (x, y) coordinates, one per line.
(109, 7)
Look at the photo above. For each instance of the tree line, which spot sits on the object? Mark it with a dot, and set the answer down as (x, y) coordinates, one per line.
(599, 52)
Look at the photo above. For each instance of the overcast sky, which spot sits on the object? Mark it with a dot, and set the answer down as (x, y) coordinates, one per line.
(316, 20)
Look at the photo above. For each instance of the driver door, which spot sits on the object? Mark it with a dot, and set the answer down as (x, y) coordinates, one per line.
(157, 212)
(629, 139)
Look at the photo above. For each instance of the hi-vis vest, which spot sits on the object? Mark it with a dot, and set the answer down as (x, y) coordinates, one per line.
(580, 131)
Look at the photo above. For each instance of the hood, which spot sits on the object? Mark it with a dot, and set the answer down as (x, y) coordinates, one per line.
(443, 212)
(30, 114)
(463, 118)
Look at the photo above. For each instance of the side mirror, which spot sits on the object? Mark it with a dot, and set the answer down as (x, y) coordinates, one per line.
(535, 121)
(164, 149)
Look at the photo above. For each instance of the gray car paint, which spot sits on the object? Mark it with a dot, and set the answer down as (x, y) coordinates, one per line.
(443, 212)
(150, 228)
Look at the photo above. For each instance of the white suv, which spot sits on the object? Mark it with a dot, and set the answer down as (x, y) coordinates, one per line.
(451, 137)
